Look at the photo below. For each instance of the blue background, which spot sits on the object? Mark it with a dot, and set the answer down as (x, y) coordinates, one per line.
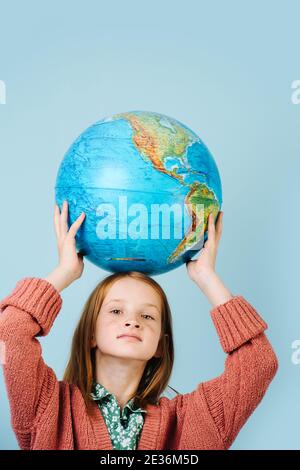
(224, 69)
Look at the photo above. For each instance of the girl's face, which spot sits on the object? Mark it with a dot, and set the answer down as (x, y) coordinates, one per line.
(130, 307)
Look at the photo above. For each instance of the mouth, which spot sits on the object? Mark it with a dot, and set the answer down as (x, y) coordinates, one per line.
(130, 337)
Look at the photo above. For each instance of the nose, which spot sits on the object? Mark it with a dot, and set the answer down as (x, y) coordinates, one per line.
(133, 323)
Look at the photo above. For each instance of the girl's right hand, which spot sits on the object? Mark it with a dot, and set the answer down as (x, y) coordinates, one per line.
(70, 262)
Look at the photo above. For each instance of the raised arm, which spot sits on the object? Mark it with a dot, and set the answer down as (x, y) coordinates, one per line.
(28, 312)
(250, 364)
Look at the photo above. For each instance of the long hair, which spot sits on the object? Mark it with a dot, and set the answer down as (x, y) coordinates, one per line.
(81, 367)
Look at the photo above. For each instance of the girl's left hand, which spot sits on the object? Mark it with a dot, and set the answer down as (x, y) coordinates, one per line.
(207, 258)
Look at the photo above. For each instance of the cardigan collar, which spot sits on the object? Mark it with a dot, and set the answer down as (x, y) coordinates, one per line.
(99, 392)
(149, 434)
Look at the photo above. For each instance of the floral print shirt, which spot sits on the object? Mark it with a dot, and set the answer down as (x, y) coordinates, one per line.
(124, 428)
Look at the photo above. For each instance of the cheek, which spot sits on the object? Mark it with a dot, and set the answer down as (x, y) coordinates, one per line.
(106, 328)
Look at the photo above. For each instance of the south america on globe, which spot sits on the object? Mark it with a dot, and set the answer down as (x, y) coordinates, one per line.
(146, 183)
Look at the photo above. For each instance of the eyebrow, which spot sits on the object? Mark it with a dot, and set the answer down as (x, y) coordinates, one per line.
(148, 304)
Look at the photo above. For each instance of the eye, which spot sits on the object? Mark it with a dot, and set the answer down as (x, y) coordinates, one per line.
(148, 316)
(115, 310)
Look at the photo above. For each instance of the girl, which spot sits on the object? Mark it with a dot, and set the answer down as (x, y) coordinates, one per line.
(122, 357)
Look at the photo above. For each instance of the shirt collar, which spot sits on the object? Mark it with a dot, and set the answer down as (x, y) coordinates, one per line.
(99, 392)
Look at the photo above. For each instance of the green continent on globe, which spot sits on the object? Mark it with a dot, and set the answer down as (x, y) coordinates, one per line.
(199, 194)
(156, 140)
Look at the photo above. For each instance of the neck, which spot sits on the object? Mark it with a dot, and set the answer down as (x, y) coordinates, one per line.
(120, 376)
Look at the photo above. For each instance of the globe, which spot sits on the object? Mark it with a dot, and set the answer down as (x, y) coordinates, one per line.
(147, 184)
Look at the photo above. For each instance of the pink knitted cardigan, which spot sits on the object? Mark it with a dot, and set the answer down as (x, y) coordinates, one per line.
(50, 414)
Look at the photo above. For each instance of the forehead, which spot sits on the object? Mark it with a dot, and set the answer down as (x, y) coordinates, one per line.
(134, 291)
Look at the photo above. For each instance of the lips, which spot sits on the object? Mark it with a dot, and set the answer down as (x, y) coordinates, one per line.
(130, 336)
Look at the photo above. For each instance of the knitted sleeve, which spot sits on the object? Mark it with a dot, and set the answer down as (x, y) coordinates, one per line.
(28, 312)
(250, 366)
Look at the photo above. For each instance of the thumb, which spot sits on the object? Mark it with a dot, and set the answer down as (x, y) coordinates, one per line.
(189, 262)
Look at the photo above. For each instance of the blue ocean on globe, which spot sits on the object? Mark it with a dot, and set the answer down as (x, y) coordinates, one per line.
(147, 184)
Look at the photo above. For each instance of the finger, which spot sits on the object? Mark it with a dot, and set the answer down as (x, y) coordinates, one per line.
(219, 226)
(75, 226)
(56, 220)
(211, 220)
(189, 263)
(211, 228)
(64, 218)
